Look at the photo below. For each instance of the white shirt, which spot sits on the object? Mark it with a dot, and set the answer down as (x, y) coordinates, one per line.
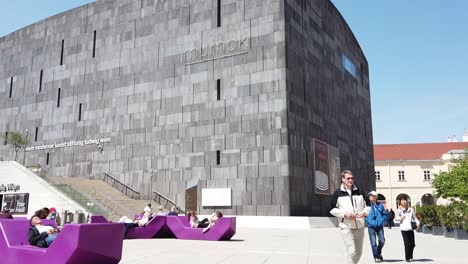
(405, 224)
(43, 228)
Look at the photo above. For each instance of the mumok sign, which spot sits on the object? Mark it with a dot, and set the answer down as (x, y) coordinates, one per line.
(217, 50)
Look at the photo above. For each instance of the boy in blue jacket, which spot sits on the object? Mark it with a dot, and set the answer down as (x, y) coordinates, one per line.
(375, 223)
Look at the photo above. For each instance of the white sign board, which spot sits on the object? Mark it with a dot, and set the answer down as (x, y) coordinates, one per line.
(216, 197)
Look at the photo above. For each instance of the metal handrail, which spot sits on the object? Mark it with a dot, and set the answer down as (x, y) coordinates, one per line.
(45, 174)
(40, 171)
(116, 204)
(94, 201)
(179, 208)
(123, 188)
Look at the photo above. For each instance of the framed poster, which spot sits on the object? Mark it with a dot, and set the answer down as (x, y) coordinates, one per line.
(321, 168)
(16, 202)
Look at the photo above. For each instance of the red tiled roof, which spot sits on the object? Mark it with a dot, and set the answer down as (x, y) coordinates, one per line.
(422, 151)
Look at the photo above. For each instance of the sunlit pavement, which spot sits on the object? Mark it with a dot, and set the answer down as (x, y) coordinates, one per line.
(324, 245)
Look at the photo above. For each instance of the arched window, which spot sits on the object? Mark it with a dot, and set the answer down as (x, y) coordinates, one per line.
(403, 196)
(427, 199)
(381, 197)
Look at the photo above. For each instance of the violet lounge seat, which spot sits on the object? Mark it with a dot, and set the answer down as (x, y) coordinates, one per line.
(224, 229)
(156, 227)
(76, 244)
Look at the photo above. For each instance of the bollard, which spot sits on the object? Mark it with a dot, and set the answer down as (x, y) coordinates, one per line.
(64, 217)
(79, 217)
(70, 218)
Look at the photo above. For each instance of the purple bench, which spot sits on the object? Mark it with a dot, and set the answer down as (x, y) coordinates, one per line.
(156, 227)
(224, 229)
(76, 243)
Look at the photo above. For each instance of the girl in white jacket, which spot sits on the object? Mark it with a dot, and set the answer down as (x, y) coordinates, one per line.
(406, 215)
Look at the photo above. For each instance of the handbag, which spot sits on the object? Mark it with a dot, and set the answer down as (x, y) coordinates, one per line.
(414, 226)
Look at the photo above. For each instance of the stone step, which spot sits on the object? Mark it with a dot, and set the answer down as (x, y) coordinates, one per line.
(118, 203)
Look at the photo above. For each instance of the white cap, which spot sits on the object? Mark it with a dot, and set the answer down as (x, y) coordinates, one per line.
(374, 193)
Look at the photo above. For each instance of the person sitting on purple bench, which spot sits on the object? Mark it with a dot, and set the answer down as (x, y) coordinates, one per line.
(41, 235)
(173, 211)
(5, 214)
(213, 220)
(161, 211)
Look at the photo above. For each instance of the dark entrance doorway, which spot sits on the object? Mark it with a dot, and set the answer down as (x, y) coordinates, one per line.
(191, 196)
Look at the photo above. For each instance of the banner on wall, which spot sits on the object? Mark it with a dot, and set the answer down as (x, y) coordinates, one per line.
(16, 202)
(326, 167)
(321, 167)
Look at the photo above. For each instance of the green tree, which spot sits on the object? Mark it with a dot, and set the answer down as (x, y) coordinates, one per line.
(454, 182)
(17, 141)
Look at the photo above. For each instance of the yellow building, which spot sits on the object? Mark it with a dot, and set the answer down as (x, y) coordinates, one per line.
(406, 170)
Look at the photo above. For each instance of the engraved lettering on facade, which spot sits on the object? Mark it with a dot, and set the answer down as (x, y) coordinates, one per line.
(217, 50)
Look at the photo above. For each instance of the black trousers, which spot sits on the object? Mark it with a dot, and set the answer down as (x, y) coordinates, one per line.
(129, 225)
(408, 239)
(203, 223)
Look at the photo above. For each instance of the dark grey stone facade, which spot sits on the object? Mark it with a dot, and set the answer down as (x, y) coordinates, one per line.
(172, 94)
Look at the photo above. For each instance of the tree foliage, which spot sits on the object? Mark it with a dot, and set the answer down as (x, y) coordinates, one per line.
(454, 182)
(17, 141)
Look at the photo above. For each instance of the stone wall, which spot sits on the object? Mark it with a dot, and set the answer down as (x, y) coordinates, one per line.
(325, 102)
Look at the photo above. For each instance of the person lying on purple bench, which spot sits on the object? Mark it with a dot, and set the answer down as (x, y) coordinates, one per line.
(129, 223)
(41, 235)
(213, 220)
(194, 222)
(206, 223)
(42, 213)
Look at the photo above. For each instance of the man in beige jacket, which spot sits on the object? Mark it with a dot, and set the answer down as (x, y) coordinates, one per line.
(349, 204)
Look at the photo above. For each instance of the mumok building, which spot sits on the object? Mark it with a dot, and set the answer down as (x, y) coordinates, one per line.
(250, 106)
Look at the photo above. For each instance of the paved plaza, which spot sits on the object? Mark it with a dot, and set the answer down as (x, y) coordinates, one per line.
(261, 245)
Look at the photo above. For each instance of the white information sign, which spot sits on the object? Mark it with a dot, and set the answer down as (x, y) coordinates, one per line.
(216, 197)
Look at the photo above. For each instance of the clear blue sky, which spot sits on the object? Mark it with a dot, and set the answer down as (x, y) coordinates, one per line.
(418, 60)
(417, 52)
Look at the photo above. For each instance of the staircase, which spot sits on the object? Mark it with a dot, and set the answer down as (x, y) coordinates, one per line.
(102, 195)
(109, 196)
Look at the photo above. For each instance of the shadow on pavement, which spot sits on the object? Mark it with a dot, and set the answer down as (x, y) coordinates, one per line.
(236, 240)
(402, 260)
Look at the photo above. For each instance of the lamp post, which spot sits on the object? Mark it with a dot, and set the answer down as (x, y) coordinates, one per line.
(27, 143)
(390, 184)
(150, 186)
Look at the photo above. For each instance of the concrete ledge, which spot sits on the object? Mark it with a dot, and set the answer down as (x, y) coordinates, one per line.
(284, 222)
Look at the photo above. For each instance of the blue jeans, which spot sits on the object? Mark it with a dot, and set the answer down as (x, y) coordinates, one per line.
(379, 233)
(50, 238)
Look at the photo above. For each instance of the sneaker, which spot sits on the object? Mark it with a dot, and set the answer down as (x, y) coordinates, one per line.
(381, 258)
(377, 260)
(408, 260)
